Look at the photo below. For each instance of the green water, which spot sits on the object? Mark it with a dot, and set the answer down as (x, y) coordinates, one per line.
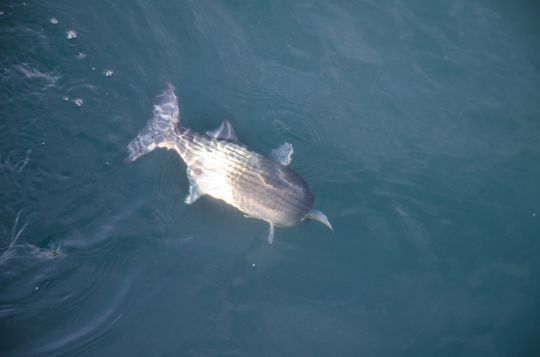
(416, 124)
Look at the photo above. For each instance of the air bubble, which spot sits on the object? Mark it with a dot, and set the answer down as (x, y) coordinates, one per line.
(108, 72)
(81, 55)
(78, 102)
(53, 20)
(71, 34)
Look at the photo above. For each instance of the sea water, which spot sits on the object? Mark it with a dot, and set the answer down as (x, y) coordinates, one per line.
(416, 124)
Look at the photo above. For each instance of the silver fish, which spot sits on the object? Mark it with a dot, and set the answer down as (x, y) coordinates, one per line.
(218, 165)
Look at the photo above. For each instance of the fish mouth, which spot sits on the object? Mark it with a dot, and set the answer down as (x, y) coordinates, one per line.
(316, 215)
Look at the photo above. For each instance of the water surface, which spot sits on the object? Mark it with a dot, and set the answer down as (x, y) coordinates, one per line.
(416, 124)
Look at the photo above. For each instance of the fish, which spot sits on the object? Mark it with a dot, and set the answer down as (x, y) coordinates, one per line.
(219, 166)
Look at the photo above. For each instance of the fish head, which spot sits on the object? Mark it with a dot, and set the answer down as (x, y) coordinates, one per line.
(316, 215)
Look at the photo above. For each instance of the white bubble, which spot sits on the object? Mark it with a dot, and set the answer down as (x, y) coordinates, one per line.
(253, 265)
(534, 214)
(36, 288)
(81, 55)
(93, 68)
(66, 99)
(71, 34)
(53, 20)
(1, 13)
(78, 102)
(108, 72)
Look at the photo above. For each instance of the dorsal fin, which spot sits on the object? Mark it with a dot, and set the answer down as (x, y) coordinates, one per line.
(225, 132)
(282, 154)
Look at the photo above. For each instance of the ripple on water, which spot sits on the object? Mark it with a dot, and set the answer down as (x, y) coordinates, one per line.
(287, 115)
(45, 279)
(16, 165)
(34, 75)
(23, 267)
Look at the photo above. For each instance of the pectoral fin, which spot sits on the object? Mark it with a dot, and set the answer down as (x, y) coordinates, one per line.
(270, 237)
(317, 215)
(192, 196)
(194, 192)
(282, 154)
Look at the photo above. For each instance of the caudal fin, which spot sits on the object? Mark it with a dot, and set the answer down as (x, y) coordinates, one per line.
(160, 129)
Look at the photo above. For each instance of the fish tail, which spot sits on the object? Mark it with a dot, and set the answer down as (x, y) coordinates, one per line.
(160, 128)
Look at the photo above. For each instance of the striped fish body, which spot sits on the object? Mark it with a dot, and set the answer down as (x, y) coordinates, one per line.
(259, 187)
(218, 165)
